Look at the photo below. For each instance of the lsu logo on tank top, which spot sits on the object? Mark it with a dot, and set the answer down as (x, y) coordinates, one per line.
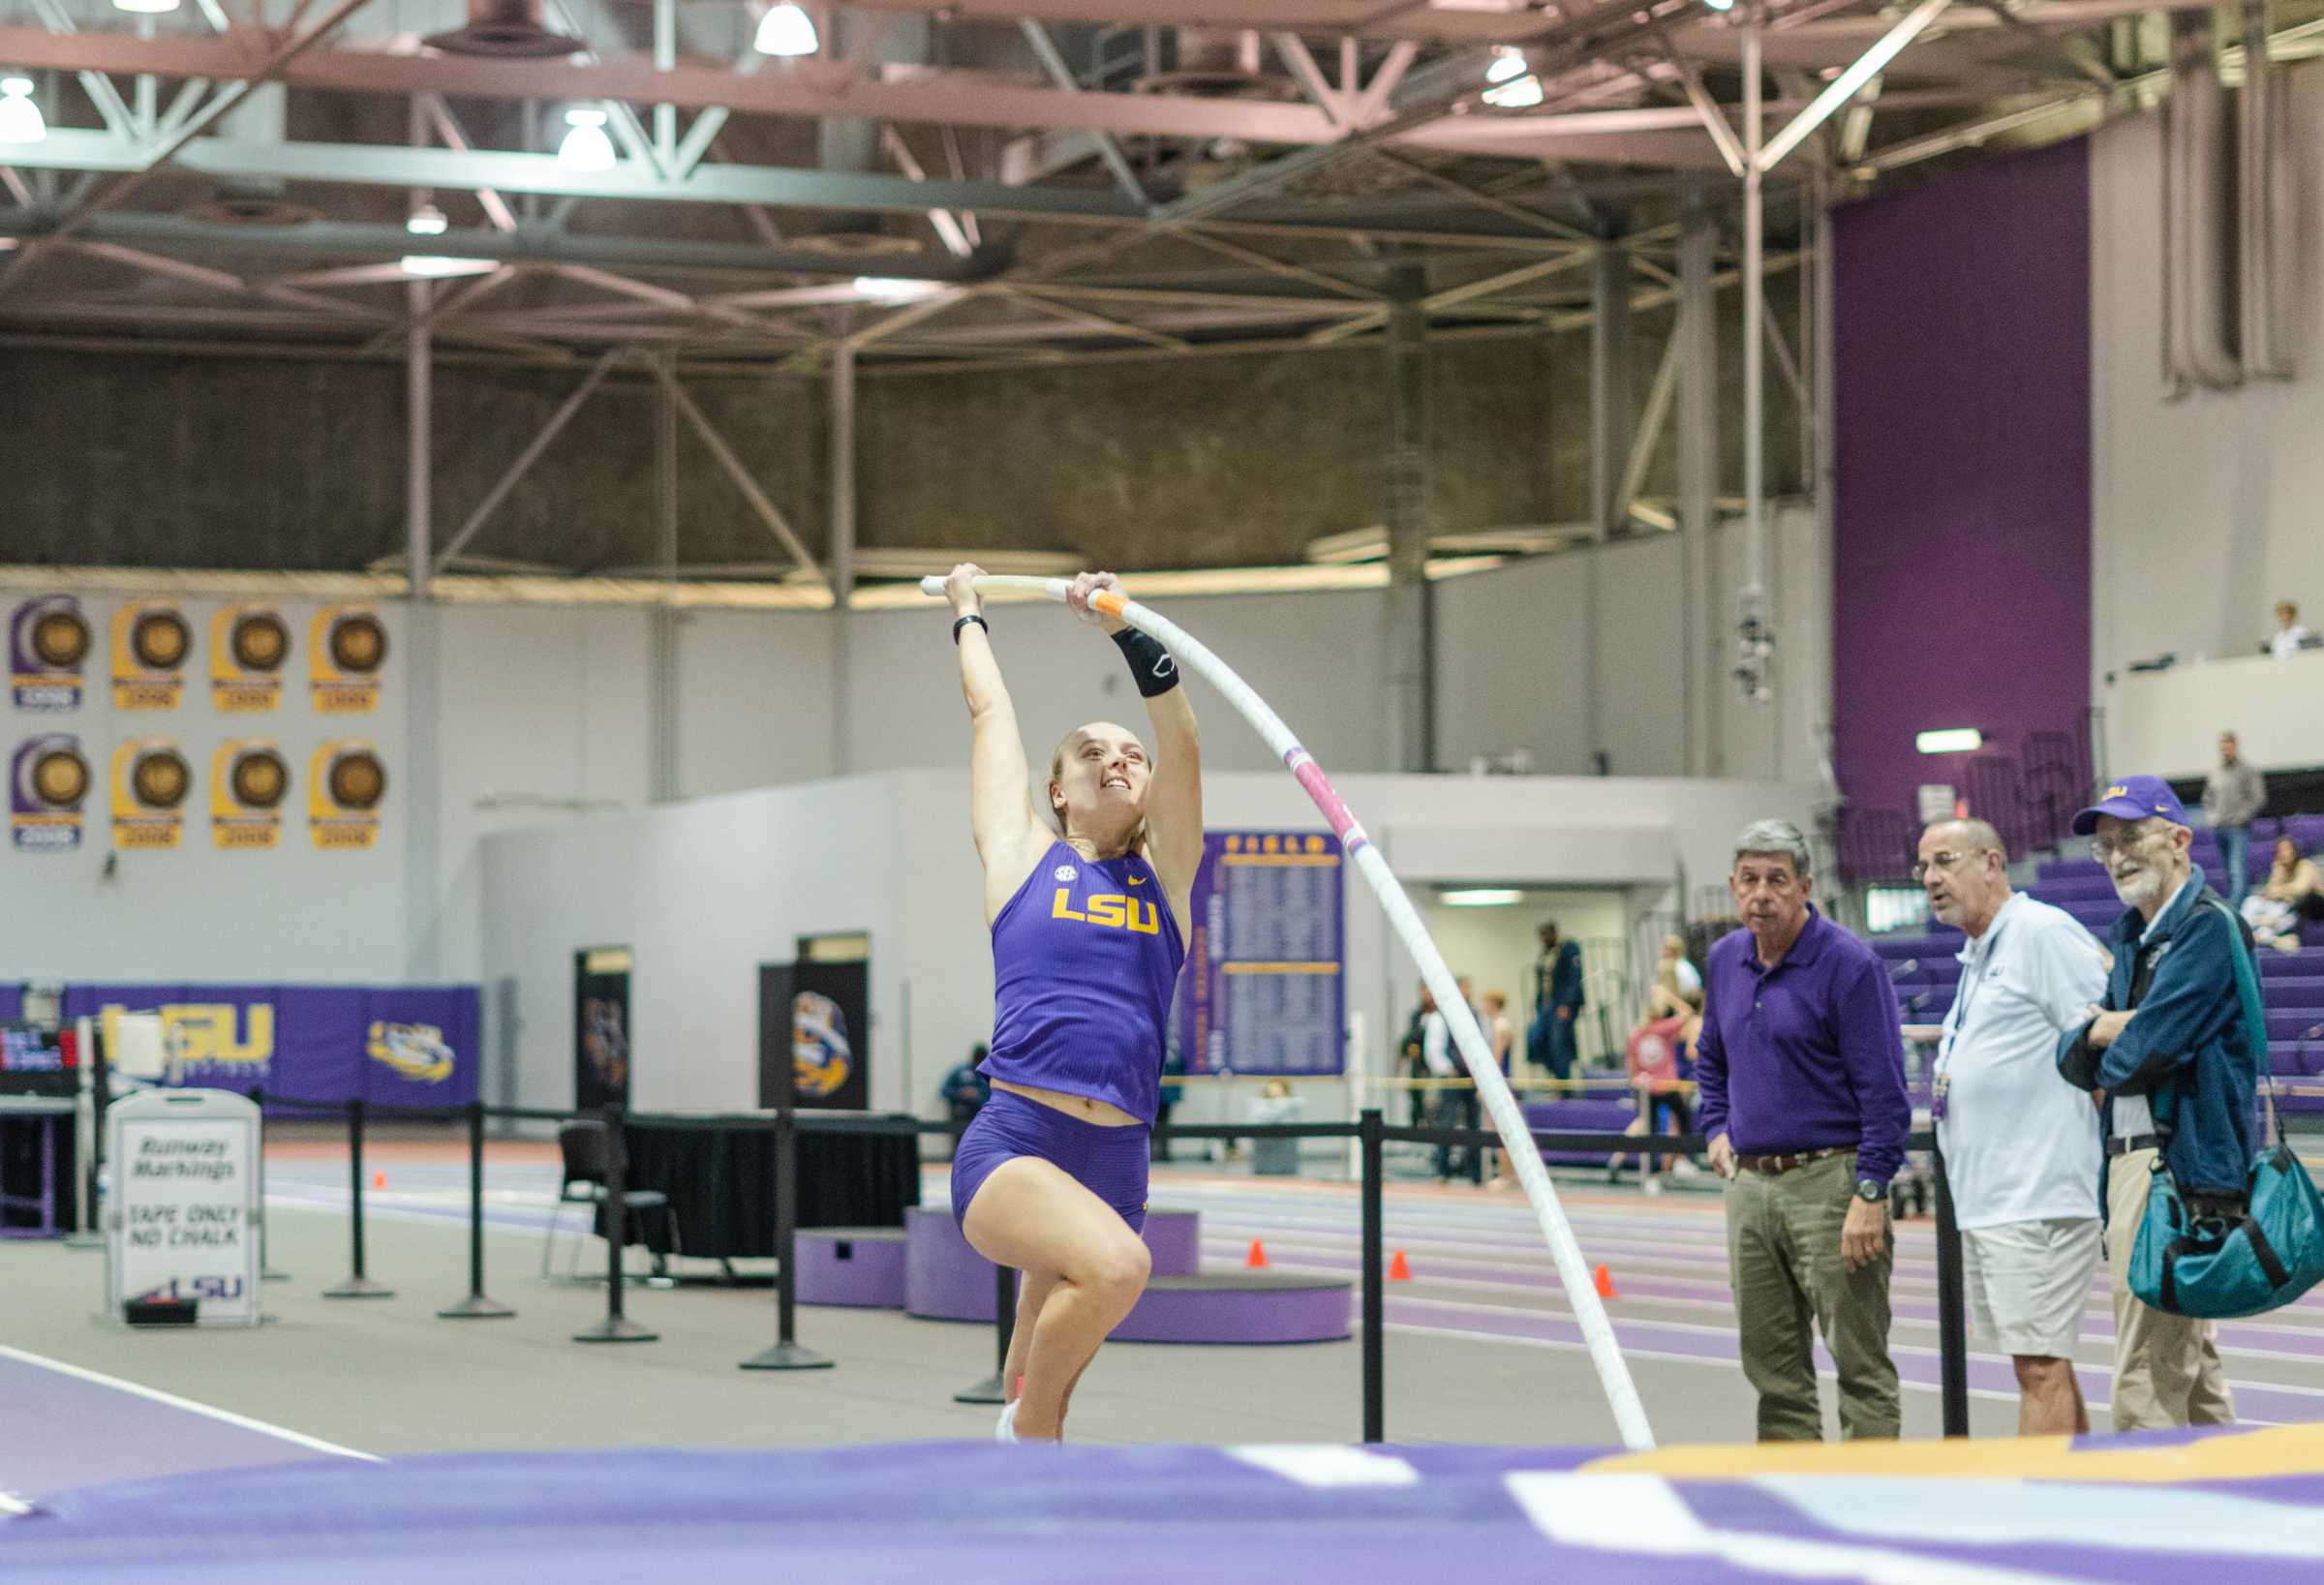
(1085, 958)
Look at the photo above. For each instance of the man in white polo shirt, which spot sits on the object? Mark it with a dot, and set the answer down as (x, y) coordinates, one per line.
(2019, 1146)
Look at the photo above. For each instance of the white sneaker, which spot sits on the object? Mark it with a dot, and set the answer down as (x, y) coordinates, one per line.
(1006, 1430)
(1654, 1185)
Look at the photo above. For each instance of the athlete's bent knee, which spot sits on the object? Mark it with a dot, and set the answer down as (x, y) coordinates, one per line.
(1119, 1269)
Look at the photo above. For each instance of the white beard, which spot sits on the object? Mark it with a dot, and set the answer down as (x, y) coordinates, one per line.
(2141, 888)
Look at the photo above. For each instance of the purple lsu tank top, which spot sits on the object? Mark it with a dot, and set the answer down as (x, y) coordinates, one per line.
(1085, 958)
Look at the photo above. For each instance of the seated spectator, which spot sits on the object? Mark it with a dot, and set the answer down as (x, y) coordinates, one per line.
(966, 1090)
(2293, 891)
(2289, 637)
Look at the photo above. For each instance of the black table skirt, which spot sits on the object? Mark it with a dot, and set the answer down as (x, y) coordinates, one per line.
(720, 1181)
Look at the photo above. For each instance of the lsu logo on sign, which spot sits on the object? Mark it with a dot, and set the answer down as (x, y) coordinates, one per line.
(248, 646)
(48, 640)
(197, 1036)
(346, 645)
(1112, 910)
(46, 781)
(417, 1051)
(151, 782)
(151, 642)
(346, 784)
(821, 1057)
(249, 781)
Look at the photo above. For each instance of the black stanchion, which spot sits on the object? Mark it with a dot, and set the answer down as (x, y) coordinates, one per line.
(1375, 1303)
(615, 1328)
(1952, 1329)
(476, 1306)
(356, 1285)
(92, 1217)
(266, 1270)
(786, 1354)
(994, 1389)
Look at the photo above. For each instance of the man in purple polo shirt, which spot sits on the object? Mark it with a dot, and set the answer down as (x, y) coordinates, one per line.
(1801, 1069)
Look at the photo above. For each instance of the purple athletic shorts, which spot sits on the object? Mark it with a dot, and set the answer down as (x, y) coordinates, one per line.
(1111, 1163)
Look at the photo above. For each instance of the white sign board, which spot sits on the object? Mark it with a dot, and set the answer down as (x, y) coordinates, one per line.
(182, 1207)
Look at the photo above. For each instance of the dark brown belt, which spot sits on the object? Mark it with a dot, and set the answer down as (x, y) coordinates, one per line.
(1774, 1166)
(2122, 1145)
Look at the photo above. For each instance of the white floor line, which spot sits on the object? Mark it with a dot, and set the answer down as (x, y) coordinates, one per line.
(210, 1411)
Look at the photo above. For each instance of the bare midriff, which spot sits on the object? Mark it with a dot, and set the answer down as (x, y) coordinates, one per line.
(1089, 1108)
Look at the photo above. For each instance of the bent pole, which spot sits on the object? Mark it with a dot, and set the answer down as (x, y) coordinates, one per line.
(1582, 1291)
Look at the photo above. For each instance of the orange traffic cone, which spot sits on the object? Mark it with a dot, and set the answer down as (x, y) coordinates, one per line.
(378, 1180)
(1605, 1283)
(1399, 1269)
(1257, 1259)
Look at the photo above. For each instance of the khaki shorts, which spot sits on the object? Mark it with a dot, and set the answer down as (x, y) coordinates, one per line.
(2029, 1283)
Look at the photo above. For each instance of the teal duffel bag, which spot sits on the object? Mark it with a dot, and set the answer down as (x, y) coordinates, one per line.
(2261, 1257)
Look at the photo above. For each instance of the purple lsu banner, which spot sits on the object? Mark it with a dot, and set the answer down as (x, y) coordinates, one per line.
(1263, 993)
(388, 1045)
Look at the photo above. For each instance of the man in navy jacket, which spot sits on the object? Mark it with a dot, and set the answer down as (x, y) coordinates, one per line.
(2172, 1024)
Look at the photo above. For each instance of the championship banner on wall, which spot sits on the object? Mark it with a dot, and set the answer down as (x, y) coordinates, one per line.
(248, 646)
(392, 1046)
(250, 780)
(46, 781)
(346, 645)
(151, 781)
(1263, 992)
(48, 642)
(346, 784)
(151, 642)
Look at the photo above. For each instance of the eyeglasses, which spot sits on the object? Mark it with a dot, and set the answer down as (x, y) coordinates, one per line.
(1946, 861)
(2102, 848)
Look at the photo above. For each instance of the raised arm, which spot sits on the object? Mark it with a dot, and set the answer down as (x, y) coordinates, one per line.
(1174, 798)
(1000, 810)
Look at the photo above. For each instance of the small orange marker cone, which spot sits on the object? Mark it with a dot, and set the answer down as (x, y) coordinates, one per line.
(378, 1180)
(1605, 1283)
(1399, 1269)
(1257, 1258)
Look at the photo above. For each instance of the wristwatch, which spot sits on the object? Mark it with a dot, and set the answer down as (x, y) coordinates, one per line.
(1872, 1190)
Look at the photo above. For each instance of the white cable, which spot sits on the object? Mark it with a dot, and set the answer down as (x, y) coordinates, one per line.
(1572, 1270)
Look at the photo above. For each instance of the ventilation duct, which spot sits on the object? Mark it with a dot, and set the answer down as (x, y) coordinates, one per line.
(2197, 345)
(2263, 218)
(511, 29)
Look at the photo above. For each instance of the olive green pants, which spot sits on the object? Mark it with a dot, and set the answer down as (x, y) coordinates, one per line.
(1783, 1251)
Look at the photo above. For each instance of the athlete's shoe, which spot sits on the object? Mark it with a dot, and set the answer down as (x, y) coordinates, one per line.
(1006, 1430)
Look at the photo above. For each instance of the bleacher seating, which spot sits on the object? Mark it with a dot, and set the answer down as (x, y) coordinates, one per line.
(1926, 970)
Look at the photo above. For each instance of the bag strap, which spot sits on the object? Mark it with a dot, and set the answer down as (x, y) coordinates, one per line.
(2255, 1022)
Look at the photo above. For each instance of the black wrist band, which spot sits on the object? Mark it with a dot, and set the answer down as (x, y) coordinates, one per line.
(1150, 664)
(966, 621)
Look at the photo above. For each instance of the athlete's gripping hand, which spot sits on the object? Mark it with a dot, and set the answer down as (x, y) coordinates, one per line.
(961, 592)
(1088, 584)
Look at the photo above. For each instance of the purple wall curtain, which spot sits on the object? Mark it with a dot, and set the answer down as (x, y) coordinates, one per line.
(1962, 495)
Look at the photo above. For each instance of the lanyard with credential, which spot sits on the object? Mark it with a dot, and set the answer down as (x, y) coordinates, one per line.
(1959, 1020)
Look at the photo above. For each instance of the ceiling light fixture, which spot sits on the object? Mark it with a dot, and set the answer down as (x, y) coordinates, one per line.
(888, 289)
(20, 119)
(1952, 739)
(1480, 897)
(145, 8)
(786, 30)
(429, 267)
(586, 147)
(427, 221)
(1720, 5)
(1516, 88)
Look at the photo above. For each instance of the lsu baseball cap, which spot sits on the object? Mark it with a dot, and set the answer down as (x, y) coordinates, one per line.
(2134, 798)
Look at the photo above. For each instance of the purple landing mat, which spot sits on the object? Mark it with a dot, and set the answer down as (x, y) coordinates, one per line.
(59, 1431)
(858, 1266)
(944, 1279)
(1239, 1307)
(971, 1513)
